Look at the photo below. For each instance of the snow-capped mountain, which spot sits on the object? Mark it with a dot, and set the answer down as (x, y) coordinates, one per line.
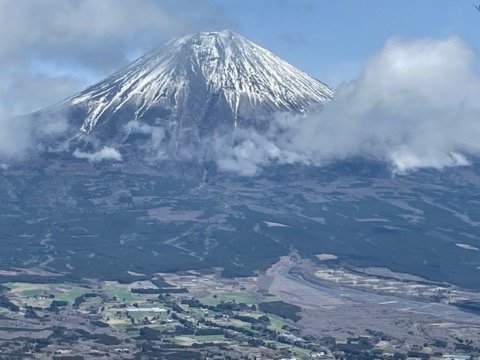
(196, 84)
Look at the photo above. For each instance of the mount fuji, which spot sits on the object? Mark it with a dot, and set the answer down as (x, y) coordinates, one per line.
(193, 86)
(104, 219)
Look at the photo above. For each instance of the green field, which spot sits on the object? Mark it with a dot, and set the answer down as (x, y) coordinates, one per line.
(275, 322)
(26, 289)
(199, 338)
(31, 292)
(63, 292)
(121, 292)
(70, 293)
(301, 352)
(12, 285)
(208, 338)
(270, 298)
(216, 298)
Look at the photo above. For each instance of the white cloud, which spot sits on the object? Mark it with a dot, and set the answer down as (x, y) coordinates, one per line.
(15, 135)
(250, 150)
(416, 104)
(106, 153)
(153, 144)
(97, 34)
(50, 49)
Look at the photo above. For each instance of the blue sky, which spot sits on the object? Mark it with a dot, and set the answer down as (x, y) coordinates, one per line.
(331, 39)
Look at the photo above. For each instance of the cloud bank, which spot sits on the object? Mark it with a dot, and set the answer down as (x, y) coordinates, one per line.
(416, 104)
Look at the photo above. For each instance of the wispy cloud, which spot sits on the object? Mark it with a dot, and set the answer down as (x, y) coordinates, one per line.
(105, 154)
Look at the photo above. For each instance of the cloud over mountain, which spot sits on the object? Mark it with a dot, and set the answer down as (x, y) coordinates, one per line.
(106, 153)
(416, 104)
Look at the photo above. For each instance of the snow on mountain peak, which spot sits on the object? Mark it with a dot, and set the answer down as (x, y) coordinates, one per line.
(191, 77)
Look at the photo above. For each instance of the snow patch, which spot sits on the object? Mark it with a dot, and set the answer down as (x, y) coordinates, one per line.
(467, 247)
(223, 63)
(275, 224)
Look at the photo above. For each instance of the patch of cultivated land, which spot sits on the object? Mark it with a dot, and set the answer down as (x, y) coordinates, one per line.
(216, 298)
(114, 316)
(41, 295)
(251, 315)
(119, 291)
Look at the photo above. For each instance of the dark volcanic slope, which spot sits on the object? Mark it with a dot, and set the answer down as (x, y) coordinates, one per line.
(102, 221)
